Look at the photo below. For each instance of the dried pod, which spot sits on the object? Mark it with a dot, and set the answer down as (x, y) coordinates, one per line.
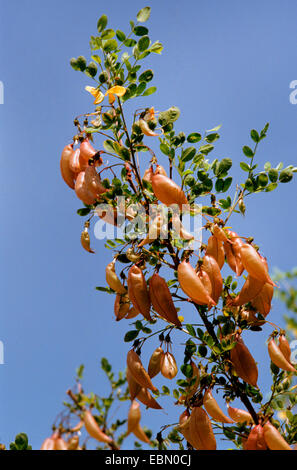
(161, 299)
(75, 162)
(138, 291)
(112, 279)
(146, 398)
(134, 416)
(148, 174)
(93, 429)
(132, 313)
(274, 439)
(220, 234)
(240, 416)
(82, 191)
(49, 443)
(256, 440)
(67, 174)
(211, 267)
(87, 151)
(285, 347)
(251, 288)
(254, 264)
(138, 372)
(167, 191)
(140, 434)
(154, 366)
(168, 365)
(232, 251)
(85, 240)
(121, 306)
(215, 249)
(201, 430)
(185, 428)
(213, 409)
(134, 387)
(60, 444)
(93, 182)
(73, 443)
(244, 363)
(262, 302)
(146, 130)
(192, 285)
(278, 358)
(204, 278)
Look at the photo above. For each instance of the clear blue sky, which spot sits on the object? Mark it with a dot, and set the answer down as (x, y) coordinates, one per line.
(226, 63)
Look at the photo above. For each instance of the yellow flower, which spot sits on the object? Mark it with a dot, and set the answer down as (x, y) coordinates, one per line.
(99, 97)
(115, 90)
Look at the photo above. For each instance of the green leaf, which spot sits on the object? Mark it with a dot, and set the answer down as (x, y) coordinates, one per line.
(165, 149)
(96, 58)
(150, 91)
(108, 34)
(244, 166)
(194, 137)
(227, 184)
(102, 23)
(273, 175)
(105, 289)
(84, 211)
(81, 63)
(187, 370)
(223, 167)
(143, 43)
(285, 176)
(80, 371)
(255, 136)
(157, 48)
(212, 137)
(109, 146)
(110, 45)
(120, 35)
(130, 42)
(146, 76)
(191, 330)
(206, 149)
(219, 185)
(247, 151)
(140, 89)
(143, 15)
(262, 179)
(188, 154)
(140, 30)
(131, 335)
(202, 350)
(267, 166)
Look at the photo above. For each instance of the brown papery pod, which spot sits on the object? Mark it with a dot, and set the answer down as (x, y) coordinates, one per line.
(67, 174)
(254, 264)
(201, 430)
(215, 249)
(256, 440)
(60, 444)
(132, 313)
(161, 299)
(168, 366)
(87, 152)
(232, 251)
(211, 267)
(244, 363)
(140, 434)
(240, 416)
(154, 366)
(134, 416)
(167, 191)
(278, 358)
(220, 234)
(49, 443)
(192, 285)
(86, 241)
(121, 306)
(285, 347)
(93, 429)
(82, 191)
(112, 279)
(138, 371)
(146, 398)
(204, 278)
(213, 409)
(262, 302)
(138, 291)
(274, 439)
(73, 443)
(134, 387)
(75, 163)
(93, 182)
(148, 174)
(184, 427)
(251, 288)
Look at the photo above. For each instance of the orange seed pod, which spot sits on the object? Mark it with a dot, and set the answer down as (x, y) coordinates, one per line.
(168, 365)
(138, 372)
(138, 291)
(161, 299)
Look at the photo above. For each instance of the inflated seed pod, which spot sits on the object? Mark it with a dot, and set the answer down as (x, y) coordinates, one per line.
(161, 299)
(285, 347)
(274, 439)
(192, 285)
(154, 366)
(49, 443)
(244, 363)
(167, 191)
(67, 174)
(134, 416)
(146, 398)
(232, 251)
(262, 302)
(240, 416)
(251, 288)
(168, 366)
(140, 434)
(60, 444)
(201, 430)
(254, 264)
(211, 406)
(138, 291)
(278, 358)
(215, 248)
(112, 279)
(256, 439)
(185, 428)
(138, 372)
(93, 429)
(220, 234)
(73, 443)
(121, 306)
(211, 267)
(87, 151)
